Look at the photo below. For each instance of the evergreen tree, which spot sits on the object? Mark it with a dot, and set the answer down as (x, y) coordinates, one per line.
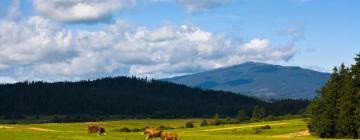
(345, 124)
(258, 113)
(323, 109)
(335, 112)
(355, 69)
(217, 120)
(242, 116)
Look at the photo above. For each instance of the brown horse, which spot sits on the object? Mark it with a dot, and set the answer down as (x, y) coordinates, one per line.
(96, 129)
(168, 135)
(154, 133)
(151, 133)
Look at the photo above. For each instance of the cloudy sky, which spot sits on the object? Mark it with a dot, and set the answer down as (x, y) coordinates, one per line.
(56, 40)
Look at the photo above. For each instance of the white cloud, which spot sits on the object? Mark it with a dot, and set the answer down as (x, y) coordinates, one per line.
(193, 6)
(257, 44)
(81, 11)
(38, 48)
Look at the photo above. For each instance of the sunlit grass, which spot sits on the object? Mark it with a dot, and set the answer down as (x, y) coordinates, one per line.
(78, 131)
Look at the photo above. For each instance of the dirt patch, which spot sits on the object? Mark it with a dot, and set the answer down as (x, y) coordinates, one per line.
(295, 134)
(41, 129)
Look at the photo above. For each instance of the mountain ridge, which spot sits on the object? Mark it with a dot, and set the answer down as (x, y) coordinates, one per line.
(259, 80)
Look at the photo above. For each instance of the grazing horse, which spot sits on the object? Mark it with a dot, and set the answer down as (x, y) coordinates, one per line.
(154, 133)
(168, 135)
(151, 133)
(96, 129)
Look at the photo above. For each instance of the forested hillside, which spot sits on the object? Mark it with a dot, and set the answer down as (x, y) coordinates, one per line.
(132, 97)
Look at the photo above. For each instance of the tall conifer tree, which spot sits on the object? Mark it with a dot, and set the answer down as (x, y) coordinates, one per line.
(336, 111)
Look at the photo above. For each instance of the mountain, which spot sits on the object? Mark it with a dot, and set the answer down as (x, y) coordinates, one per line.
(259, 80)
(130, 97)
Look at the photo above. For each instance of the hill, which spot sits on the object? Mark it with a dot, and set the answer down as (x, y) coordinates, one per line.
(130, 97)
(259, 80)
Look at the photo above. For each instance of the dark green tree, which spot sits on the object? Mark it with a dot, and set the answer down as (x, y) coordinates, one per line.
(217, 120)
(324, 110)
(204, 123)
(335, 112)
(242, 116)
(355, 69)
(189, 124)
(258, 113)
(346, 105)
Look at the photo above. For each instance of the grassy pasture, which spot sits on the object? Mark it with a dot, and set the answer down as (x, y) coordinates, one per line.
(285, 129)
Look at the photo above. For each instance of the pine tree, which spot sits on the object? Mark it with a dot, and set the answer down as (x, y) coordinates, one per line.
(258, 113)
(217, 120)
(355, 69)
(242, 116)
(323, 109)
(345, 123)
(336, 111)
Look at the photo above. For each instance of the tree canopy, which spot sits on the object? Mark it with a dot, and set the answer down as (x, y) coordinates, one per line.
(335, 113)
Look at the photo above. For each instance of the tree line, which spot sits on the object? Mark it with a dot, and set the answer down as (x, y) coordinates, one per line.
(131, 97)
(335, 112)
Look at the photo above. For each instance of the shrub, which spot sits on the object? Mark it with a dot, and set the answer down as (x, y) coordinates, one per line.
(262, 127)
(124, 129)
(162, 127)
(135, 130)
(265, 127)
(204, 123)
(189, 124)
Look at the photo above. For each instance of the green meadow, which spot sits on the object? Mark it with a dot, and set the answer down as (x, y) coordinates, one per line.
(284, 129)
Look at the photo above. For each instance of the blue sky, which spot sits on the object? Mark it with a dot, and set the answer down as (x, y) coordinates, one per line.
(71, 40)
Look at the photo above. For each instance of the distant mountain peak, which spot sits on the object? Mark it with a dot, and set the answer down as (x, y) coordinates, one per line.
(259, 79)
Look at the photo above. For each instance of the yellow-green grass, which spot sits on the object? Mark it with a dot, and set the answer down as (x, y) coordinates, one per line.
(78, 131)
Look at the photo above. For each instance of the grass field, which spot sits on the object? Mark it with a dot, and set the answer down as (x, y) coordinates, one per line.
(285, 129)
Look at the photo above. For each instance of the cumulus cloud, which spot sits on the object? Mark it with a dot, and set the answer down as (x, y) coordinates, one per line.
(39, 49)
(193, 6)
(81, 11)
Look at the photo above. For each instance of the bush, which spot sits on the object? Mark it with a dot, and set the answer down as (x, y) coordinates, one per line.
(262, 127)
(124, 129)
(189, 124)
(270, 118)
(217, 122)
(143, 129)
(204, 123)
(162, 127)
(135, 130)
(265, 127)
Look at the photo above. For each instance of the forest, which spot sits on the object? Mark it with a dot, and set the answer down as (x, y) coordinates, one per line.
(335, 112)
(132, 97)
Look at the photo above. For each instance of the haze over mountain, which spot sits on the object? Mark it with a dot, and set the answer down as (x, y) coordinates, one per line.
(260, 80)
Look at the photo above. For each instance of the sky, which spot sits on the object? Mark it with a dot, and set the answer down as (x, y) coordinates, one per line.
(57, 40)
